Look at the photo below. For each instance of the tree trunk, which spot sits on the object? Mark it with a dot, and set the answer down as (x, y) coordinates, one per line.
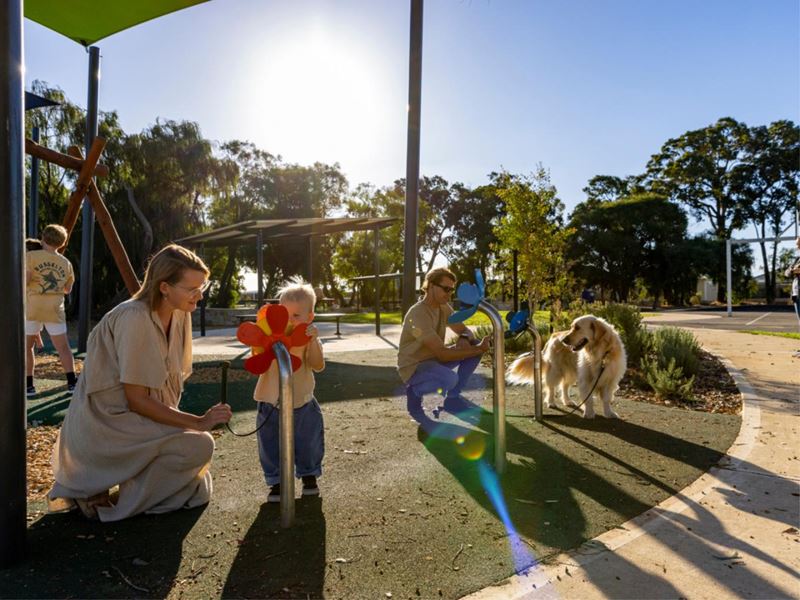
(225, 283)
(147, 242)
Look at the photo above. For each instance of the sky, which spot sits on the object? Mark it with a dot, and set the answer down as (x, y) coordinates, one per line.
(584, 87)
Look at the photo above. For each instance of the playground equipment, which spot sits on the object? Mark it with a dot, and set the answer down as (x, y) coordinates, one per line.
(518, 323)
(269, 341)
(472, 300)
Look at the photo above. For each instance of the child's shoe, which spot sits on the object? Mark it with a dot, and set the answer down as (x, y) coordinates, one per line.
(310, 487)
(274, 493)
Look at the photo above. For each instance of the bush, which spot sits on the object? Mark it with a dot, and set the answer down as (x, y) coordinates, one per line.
(673, 345)
(668, 382)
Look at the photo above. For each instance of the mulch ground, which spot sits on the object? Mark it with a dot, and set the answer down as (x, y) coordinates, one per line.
(407, 509)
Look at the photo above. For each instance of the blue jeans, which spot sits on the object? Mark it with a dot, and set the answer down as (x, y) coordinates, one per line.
(309, 441)
(434, 376)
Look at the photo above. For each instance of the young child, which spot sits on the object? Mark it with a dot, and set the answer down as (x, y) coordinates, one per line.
(48, 276)
(309, 442)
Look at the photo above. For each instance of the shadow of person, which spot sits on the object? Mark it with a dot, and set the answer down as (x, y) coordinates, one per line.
(281, 563)
(146, 550)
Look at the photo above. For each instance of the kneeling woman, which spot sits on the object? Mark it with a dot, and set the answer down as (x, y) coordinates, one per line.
(123, 426)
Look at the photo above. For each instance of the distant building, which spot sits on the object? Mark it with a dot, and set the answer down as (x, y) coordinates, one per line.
(706, 289)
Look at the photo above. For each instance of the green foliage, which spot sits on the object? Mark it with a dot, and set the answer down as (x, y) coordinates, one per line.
(532, 225)
(668, 382)
(678, 345)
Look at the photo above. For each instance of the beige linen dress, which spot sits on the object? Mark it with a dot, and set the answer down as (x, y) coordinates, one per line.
(102, 443)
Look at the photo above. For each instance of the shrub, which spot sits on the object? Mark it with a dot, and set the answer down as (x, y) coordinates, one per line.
(673, 345)
(668, 382)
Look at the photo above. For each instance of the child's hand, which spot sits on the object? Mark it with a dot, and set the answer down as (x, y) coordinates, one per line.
(312, 331)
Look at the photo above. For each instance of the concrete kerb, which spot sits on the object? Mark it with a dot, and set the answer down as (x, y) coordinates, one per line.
(540, 581)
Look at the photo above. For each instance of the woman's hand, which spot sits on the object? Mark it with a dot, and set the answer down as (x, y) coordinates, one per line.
(219, 413)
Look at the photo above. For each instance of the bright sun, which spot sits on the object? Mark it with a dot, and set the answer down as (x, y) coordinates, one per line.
(318, 98)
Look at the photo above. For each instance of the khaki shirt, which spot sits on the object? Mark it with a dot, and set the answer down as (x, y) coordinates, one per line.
(51, 273)
(420, 323)
(303, 383)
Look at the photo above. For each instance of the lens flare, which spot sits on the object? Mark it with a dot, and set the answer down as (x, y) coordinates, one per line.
(522, 558)
(472, 445)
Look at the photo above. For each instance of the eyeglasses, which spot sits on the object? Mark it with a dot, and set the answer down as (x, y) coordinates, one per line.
(198, 291)
(446, 288)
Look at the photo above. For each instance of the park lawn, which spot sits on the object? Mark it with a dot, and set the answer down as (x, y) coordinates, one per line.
(784, 334)
(394, 317)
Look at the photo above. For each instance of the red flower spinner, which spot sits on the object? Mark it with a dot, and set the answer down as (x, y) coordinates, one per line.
(270, 327)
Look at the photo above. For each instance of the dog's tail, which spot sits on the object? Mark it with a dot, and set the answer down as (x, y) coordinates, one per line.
(521, 370)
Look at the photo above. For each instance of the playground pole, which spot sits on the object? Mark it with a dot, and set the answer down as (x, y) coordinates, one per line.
(499, 377)
(412, 156)
(12, 352)
(87, 228)
(286, 428)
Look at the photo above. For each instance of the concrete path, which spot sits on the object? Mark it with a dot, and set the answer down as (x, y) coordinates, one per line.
(733, 533)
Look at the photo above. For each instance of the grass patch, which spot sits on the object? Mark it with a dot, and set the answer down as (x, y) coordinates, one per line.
(394, 318)
(791, 336)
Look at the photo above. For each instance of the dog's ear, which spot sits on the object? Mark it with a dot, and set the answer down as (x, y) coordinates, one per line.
(599, 330)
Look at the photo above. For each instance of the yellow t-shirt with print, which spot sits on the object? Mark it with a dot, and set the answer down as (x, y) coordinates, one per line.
(50, 275)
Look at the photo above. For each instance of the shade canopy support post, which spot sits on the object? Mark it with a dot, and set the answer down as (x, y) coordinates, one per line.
(87, 236)
(260, 266)
(412, 156)
(33, 197)
(13, 506)
(377, 283)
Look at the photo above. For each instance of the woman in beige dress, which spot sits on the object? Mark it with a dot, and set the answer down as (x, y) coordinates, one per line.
(123, 426)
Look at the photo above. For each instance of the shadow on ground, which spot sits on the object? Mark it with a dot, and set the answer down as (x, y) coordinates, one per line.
(410, 509)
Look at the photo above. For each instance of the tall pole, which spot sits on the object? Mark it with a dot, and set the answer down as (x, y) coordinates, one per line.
(516, 280)
(87, 231)
(728, 278)
(33, 196)
(260, 267)
(412, 155)
(12, 303)
(377, 282)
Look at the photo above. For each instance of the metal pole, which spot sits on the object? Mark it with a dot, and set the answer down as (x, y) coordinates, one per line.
(33, 198)
(516, 282)
(537, 371)
(286, 428)
(13, 506)
(729, 275)
(377, 285)
(203, 300)
(498, 375)
(412, 156)
(87, 231)
(310, 261)
(260, 266)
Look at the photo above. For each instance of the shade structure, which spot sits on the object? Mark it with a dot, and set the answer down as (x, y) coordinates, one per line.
(87, 21)
(33, 101)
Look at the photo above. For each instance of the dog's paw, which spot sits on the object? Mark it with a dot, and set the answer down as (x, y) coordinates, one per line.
(610, 414)
(588, 414)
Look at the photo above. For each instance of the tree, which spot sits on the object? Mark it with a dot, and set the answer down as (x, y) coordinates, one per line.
(766, 183)
(533, 226)
(699, 170)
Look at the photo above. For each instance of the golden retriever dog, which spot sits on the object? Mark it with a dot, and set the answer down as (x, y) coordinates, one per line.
(579, 354)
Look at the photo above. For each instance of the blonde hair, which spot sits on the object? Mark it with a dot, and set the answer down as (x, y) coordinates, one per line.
(297, 290)
(54, 235)
(167, 265)
(435, 277)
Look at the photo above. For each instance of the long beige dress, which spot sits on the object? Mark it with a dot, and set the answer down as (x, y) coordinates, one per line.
(102, 443)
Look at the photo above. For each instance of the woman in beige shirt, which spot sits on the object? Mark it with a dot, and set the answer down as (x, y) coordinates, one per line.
(123, 426)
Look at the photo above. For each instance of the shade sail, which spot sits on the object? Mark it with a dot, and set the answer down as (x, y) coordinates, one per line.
(87, 21)
(33, 101)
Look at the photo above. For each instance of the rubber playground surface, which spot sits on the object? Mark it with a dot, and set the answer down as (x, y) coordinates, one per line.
(406, 509)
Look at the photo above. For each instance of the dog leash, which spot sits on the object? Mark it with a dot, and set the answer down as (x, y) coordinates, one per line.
(223, 399)
(596, 381)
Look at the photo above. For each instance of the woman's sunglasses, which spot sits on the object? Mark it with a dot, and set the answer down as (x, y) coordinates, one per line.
(446, 288)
